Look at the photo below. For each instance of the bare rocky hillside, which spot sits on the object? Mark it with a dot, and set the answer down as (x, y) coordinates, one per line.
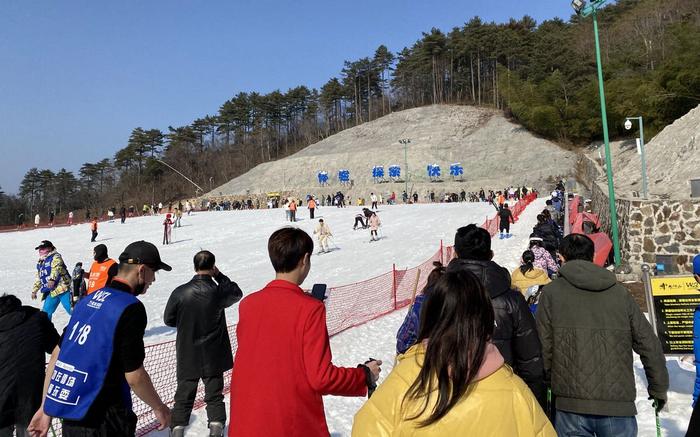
(673, 158)
(493, 151)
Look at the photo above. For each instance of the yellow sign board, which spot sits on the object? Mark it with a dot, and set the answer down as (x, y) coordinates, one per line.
(674, 286)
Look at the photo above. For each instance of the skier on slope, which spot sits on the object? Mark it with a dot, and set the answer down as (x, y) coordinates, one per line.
(505, 218)
(324, 233)
(167, 229)
(359, 220)
(374, 224)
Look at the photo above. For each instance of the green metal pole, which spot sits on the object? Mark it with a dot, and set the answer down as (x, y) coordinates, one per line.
(405, 161)
(644, 161)
(606, 139)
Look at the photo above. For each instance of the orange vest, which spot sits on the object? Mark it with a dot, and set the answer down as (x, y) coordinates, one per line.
(98, 275)
(312, 204)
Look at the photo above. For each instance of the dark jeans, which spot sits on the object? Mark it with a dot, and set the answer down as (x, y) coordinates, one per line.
(694, 425)
(358, 221)
(8, 431)
(118, 421)
(187, 391)
(94, 235)
(589, 425)
(311, 212)
(374, 205)
(504, 227)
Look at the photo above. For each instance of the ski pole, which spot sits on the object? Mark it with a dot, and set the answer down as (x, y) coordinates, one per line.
(658, 421)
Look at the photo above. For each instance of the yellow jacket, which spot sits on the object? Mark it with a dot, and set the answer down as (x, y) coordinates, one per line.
(499, 405)
(522, 281)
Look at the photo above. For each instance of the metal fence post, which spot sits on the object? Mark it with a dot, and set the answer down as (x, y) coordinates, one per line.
(393, 283)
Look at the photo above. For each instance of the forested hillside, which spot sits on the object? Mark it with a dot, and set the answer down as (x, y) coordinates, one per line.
(541, 74)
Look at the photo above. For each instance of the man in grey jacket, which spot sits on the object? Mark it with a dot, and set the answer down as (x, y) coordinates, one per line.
(589, 325)
(203, 346)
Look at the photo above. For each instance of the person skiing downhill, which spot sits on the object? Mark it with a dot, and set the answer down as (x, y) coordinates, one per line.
(167, 229)
(374, 224)
(324, 233)
(93, 229)
(505, 218)
(373, 198)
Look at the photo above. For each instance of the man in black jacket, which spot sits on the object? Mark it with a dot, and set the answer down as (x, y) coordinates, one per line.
(505, 218)
(196, 309)
(26, 335)
(515, 334)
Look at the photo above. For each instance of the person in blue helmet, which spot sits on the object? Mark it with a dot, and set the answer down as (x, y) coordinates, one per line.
(694, 425)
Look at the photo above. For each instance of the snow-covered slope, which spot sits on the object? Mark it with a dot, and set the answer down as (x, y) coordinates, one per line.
(411, 234)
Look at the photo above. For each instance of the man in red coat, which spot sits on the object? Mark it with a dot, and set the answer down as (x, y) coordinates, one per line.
(283, 363)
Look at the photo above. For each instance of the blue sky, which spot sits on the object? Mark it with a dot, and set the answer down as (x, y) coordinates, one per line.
(76, 76)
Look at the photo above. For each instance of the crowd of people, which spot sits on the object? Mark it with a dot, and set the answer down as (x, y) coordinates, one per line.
(473, 358)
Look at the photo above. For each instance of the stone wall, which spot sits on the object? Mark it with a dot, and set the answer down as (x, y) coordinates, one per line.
(648, 228)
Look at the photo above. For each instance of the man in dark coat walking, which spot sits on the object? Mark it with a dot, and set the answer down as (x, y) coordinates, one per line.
(515, 334)
(505, 218)
(196, 309)
(26, 335)
(589, 325)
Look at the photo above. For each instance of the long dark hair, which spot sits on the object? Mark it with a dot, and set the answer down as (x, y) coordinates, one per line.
(457, 320)
(433, 276)
(528, 259)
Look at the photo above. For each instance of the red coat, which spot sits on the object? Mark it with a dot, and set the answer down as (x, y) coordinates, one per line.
(283, 366)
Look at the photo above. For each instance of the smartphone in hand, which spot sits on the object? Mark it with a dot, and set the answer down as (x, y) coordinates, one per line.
(319, 291)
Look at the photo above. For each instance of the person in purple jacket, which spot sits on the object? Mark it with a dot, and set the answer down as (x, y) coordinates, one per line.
(408, 332)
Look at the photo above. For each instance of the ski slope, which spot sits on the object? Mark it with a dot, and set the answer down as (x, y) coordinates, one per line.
(410, 234)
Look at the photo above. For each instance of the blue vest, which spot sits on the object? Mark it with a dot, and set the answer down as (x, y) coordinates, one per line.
(86, 351)
(44, 267)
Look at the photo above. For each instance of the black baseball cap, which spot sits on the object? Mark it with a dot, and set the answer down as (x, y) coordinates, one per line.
(143, 252)
(45, 244)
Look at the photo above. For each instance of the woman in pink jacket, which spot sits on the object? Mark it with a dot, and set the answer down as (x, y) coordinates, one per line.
(374, 224)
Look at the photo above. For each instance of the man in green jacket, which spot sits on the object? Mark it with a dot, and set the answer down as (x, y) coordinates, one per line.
(589, 325)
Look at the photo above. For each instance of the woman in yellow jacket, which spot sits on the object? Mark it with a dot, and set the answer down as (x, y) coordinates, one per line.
(527, 275)
(453, 381)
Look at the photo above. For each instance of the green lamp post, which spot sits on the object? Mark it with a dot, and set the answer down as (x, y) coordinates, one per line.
(405, 142)
(584, 9)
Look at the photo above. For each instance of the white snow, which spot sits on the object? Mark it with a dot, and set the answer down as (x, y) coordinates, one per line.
(411, 233)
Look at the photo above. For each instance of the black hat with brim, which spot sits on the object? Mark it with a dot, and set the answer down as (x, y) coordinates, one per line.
(143, 252)
(45, 244)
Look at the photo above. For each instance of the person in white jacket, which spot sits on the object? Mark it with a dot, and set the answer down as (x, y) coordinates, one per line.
(324, 233)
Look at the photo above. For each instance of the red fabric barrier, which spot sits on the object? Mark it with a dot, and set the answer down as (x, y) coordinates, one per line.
(603, 246)
(603, 243)
(491, 224)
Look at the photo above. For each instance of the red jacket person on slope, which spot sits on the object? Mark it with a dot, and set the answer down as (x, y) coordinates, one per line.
(283, 363)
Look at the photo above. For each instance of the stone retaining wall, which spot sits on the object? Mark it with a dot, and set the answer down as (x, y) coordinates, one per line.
(648, 228)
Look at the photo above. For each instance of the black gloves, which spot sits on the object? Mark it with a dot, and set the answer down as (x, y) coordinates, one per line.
(369, 379)
(658, 403)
